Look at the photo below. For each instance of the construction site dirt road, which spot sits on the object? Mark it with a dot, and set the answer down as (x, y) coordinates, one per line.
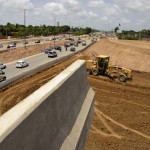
(121, 118)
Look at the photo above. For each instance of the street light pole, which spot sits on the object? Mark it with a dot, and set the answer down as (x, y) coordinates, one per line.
(25, 27)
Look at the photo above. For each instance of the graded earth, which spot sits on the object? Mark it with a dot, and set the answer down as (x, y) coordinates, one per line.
(121, 118)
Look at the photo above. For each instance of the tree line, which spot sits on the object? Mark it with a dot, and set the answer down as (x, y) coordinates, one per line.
(20, 31)
(132, 35)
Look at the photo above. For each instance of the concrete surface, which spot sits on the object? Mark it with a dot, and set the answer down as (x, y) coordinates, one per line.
(56, 116)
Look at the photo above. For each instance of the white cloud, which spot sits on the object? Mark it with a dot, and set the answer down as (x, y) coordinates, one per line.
(105, 18)
(55, 8)
(16, 4)
(135, 5)
(96, 3)
(71, 5)
(82, 14)
(125, 20)
(133, 14)
(93, 15)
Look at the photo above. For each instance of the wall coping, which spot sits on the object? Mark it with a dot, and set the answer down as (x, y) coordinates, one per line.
(12, 118)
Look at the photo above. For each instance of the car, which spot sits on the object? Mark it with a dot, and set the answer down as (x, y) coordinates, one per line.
(49, 39)
(1, 72)
(93, 40)
(46, 50)
(1, 45)
(21, 64)
(79, 41)
(76, 44)
(2, 77)
(57, 47)
(52, 54)
(25, 42)
(67, 45)
(2, 66)
(37, 41)
(12, 45)
(83, 43)
(72, 48)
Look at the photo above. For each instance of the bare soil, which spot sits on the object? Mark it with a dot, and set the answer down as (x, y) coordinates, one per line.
(121, 118)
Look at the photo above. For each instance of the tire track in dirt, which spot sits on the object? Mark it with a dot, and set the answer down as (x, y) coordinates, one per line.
(112, 133)
(120, 99)
(98, 112)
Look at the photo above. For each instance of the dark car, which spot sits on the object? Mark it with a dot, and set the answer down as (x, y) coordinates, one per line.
(46, 50)
(67, 45)
(72, 48)
(25, 42)
(57, 47)
(79, 41)
(37, 41)
(2, 77)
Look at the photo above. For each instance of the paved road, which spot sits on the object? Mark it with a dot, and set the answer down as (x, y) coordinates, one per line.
(31, 41)
(20, 44)
(36, 60)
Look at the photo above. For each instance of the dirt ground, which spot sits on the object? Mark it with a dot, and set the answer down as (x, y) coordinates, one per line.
(134, 55)
(121, 118)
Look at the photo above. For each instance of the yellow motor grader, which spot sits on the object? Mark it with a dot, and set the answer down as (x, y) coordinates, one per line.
(101, 66)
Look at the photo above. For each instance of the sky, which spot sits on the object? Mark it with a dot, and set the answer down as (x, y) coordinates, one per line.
(98, 14)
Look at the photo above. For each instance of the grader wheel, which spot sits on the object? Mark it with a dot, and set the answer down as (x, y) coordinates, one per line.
(122, 78)
(88, 71)
(95, 71)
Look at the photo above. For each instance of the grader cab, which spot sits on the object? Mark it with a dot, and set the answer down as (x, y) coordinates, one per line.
(101, 66)
(97, 66)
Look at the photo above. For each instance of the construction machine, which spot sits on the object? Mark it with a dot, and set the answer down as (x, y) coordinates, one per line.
(101, 66)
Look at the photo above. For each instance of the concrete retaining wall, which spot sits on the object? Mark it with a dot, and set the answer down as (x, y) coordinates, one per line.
(56, 116)
(40, 68)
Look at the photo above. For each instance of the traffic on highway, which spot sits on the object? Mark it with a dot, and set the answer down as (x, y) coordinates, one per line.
(20, 67)
(7, 45)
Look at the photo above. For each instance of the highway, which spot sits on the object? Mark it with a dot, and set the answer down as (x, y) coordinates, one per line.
(35, 61)
(20, 44)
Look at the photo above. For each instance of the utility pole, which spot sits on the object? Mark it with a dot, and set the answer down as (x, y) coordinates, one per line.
(6, 33)
(25, 27)
(54, 29)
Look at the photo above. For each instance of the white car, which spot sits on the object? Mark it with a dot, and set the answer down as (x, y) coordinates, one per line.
(52, 54)
(2, 66)
(49, 39)
(21, 64)
(1, 45)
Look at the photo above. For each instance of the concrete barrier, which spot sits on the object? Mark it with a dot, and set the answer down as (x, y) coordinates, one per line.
(56, 116)
(40, 68)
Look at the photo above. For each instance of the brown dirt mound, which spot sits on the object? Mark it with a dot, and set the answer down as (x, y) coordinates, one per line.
(130, 55)
(122, 110)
